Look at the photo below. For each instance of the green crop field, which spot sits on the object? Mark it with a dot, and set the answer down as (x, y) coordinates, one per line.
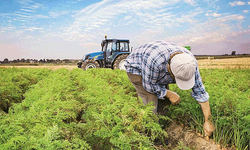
(99, 109)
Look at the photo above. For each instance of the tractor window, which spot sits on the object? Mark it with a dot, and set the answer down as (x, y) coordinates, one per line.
(113, 46)
(109, 48)
(123, 46)
(117, 46)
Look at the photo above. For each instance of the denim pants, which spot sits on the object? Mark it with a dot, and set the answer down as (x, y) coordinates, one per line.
(146, 96)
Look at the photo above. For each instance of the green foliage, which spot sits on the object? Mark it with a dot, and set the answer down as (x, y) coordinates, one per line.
(94, 109)
(114, 117)
(99, 109)
(15, 82)
(43, 119)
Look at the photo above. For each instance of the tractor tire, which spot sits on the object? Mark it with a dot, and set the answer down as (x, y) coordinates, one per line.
(90, 64)
(79, 64)
(120, 61)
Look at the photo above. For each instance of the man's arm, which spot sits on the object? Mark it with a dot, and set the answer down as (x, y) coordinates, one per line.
(200, 94)
(208, 124)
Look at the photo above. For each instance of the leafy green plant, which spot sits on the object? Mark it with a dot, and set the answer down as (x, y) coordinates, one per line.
(15, 82)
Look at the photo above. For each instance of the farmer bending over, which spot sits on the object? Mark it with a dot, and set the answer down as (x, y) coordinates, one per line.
(152, 66)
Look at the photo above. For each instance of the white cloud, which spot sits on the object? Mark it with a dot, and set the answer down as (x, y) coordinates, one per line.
(245, 11)
(190, 2)
(33, 29)
(56, 14)
(235, 3)
(248, 3)
(150, 17)
(4, 29)
(211, 31)
(41, 16)
(213, 14)
(216, 15)
(27, 10)
(97, 17)
(25, 2)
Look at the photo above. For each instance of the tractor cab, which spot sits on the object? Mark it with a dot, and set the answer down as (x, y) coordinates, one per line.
(111, 49)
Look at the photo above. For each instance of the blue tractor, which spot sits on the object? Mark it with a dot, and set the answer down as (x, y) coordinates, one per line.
(113, 55)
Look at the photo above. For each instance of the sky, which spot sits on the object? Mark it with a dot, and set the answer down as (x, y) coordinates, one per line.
(68, 29)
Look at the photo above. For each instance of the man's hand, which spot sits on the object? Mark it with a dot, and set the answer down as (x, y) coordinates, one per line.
(173, 97)
(208, 128)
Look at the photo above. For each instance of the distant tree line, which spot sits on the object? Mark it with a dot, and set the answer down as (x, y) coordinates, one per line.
(55, 61)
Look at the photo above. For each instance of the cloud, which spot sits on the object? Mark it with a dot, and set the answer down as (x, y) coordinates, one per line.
(213, 14)
(216, 15)
(4, 29)
(26, 10)
(22, 21)
(248, 3)
(190, 2)
(40, 16)
(55, 14)
(211, 31)
(245, 11)
(149, 16)
(235, 3)
(33, 29)
(25, 2)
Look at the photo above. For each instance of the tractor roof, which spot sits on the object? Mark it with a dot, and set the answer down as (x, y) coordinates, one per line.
(121, 40)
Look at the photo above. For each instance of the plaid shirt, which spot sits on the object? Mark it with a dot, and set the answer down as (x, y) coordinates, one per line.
(150, 61)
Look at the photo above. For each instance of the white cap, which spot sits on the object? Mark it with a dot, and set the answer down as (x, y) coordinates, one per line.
(183, 67)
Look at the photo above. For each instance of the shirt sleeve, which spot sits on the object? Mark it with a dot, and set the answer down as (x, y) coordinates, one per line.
(199, 93)
(150, 74)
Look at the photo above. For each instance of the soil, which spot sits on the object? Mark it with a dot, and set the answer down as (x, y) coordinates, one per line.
(189, 139)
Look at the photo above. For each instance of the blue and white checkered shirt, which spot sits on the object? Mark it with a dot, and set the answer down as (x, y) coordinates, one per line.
(150, 61)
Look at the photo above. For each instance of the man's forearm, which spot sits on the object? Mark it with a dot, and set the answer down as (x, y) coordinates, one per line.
(206, 110)
(208, 124)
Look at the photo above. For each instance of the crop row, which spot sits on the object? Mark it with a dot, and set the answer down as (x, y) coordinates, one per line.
(15, 82)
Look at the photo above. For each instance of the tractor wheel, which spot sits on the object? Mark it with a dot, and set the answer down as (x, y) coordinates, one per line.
(79, 64)
(90, 64)
(120, 62)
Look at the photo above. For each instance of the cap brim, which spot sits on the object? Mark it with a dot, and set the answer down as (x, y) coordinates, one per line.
(185, 85)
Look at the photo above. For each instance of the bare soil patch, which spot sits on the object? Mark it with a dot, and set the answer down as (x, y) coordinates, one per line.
(180, 138)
